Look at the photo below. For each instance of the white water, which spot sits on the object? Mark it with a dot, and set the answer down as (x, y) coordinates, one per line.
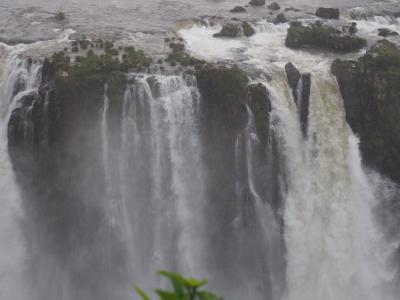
(162, 209)
(12, 248)
(335, 249)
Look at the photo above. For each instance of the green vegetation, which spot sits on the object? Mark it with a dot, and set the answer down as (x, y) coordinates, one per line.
(178, 55)
(224, 90)
(371, 92)
(322, 36)
(60, 16)
(384, 56)
(182, 289)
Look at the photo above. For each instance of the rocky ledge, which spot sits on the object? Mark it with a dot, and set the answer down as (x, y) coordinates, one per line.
(322, 36)
(371, 93)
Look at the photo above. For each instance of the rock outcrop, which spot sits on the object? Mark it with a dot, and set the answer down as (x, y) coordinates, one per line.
(229, 30)
(328, 13)
(300, 85)
(248, 30)
(280, 18)
(322, 36)
(385, 32)
(238, 9)
(257, 2)
(371, 92)
(274, 6)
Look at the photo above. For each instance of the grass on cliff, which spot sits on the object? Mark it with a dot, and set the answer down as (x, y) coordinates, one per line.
(182, 289)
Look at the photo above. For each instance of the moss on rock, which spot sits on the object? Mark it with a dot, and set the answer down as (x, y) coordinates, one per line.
(371, 92)
(322, 36)
(260, 105)
(224, 89)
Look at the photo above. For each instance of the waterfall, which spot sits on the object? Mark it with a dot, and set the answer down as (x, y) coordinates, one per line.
(335, 248)
(159, 176)
(18, 77)
(265, 215)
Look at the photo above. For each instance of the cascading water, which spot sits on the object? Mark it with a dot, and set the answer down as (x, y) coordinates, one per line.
(333, 253)
(161, 177)
(18, 77)
(148, 148)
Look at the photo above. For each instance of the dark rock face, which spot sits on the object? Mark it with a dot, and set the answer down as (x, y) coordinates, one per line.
(260, 105)
(293, 75)
(223, 117)
(353, 28)
(247, 29)
(321, 36)
(305, 102)
(238, 9)
(371, 92)
(280, 18)
(257, 2)
(274, 6)
(328, 13)
(300, 96)
(229, 30)
(54, 151)
(385, 32)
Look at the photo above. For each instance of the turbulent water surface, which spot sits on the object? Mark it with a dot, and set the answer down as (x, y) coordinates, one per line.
(154, 211)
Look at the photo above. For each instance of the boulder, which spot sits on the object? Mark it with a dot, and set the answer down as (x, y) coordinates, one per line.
(238, 9)
(280, 18)
(293, 75)
(274, 6)
(229, 30)
(385, 32)
(328, 13)
(322, 36)
(247, 29)
(257, 2)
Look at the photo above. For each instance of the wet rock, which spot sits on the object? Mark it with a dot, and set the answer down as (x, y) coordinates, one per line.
(322, 36)
(328, 13)
(301, 93)
(274, 6)
(280, 18)
(238, 9)
(293, 75)
(385, 32)
(247, 29)
(257, 2)
(292, 9)
(371, 95)
(305, 102)
(353, 28)
(260, 105)
(229, 30)
(225, 91)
